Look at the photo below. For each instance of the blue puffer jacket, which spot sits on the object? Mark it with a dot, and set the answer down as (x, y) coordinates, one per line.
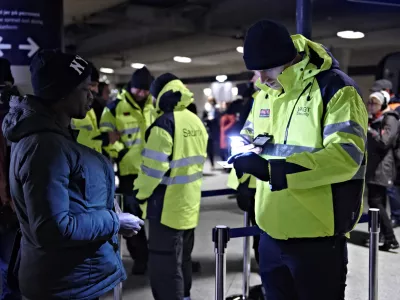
(63, 194)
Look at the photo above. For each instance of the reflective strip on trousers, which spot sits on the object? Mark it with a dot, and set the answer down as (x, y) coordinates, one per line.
(283, 150)
(108, 125)
(184, 179)
(346, 127)
(130, 130)
(133, 142)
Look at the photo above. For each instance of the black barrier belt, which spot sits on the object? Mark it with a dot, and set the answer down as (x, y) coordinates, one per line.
(254, 230)
(213, 193)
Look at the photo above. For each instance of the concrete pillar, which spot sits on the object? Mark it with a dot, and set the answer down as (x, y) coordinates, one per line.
(343, 55)
(25, 27)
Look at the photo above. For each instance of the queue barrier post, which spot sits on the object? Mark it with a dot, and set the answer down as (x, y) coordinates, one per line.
(119, 206)
(373, 252)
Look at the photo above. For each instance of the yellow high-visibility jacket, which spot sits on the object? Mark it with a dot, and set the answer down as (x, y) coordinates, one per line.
(125, 116)
(169, 182)
(317, 156)
(89, 132)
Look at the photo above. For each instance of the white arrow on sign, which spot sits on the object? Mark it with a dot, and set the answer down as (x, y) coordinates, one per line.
(32, 47)
(3, 47)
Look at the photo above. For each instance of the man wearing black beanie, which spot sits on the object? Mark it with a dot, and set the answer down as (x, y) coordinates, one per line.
(125, 121)
(63, 191)
(309, 123)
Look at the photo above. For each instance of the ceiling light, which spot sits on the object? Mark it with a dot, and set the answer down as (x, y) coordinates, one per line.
(207, 92)
(239, 49)
(106, 70)
(221, 78)
(350, 34)
(137, 65)
(182, 59)
(235, 91)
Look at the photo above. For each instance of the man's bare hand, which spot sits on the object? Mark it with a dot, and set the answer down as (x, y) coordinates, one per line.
(114, 136)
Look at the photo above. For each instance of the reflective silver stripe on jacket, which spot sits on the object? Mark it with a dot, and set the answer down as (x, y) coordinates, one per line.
(108, 125)
(171, 180)
(187, 161)
(155, 155)
(130, 130)
(346, 127)
(183, 162)
(284, 150)
(354, 152)
(360, 174)
(86, 127)
(133, 142)
(249, 126)
(182, 179)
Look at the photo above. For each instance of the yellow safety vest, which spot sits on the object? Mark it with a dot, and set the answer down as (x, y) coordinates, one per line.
(125, 115)
(88, 131)
(317, 156)
(169, 182)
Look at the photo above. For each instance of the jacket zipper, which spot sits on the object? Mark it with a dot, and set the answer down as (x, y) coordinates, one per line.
(291, 114)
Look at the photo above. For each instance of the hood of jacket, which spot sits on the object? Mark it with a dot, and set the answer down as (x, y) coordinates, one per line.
(174, 96)
(27, 115)
(316, 59)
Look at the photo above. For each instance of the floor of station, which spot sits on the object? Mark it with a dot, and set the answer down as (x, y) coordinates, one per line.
(223, 211)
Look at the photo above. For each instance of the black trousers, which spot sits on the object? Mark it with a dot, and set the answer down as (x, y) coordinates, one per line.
(170, 261)
(377, 199)
(303, 269)
(137, 244)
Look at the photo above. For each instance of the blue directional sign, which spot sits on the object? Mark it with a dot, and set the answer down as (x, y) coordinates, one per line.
(27, 26)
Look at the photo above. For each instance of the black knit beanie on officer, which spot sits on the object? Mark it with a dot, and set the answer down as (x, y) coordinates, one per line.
(55, 74)
(5, 71)
(141, 79)
(158, 84)
(268, 45)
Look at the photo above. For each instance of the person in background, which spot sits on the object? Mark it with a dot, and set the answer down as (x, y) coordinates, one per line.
(63, 191)
(210, 117)
(393, 192)
(169, 187)
(104, 93)
(126, 120)
(88, 131)
(227, 121)
(8, 219)
(310, 166)
(383, 132)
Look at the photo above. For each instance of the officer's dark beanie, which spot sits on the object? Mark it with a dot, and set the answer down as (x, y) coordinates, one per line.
(55, 74)
(141, 79)
(268, 45)
(160, 82)
(5, 71)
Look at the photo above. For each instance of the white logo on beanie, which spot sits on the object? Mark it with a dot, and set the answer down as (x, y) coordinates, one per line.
(77, 66)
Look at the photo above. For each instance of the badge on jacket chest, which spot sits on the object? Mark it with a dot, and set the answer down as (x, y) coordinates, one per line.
(265, 112)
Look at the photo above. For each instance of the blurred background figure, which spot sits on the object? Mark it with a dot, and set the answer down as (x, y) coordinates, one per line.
(383, 132)
(211, 121)
(227, 121)
(8, 219)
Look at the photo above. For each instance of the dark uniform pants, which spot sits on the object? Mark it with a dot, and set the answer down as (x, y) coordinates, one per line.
(137, 244)
(170, 261)
(303, 269)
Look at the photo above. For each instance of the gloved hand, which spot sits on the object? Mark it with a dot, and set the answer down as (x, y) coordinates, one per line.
(250, 163)
(129, 225)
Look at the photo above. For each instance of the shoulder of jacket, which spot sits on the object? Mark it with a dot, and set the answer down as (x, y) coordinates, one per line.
(333, 80)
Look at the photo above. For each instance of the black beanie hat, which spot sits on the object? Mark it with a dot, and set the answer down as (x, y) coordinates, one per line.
(94, 76)
(141, 79)
(55, 74)
(160, 82)
(268, 45)
(5, 71)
